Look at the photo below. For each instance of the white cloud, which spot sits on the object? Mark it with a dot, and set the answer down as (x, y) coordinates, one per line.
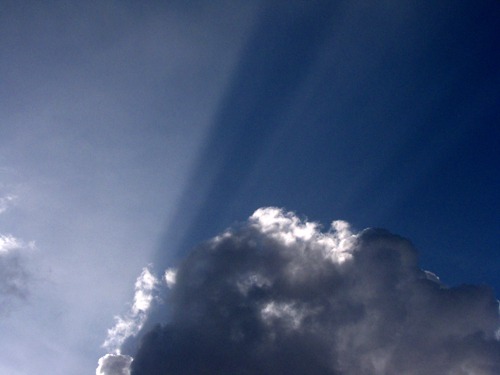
(288, 229)
(114, 364)
(285, 227)
(144, 286)
(279, 296)
(133, 321)
(169, 277)
(9, 243)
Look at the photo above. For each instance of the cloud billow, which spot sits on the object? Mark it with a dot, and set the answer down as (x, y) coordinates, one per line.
(114, 364)
(279, 296)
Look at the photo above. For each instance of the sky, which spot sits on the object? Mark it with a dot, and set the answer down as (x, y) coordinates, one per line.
(131, 134)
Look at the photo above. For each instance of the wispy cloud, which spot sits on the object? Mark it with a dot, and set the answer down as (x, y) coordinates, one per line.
(9, 243)
(5, 202)
(129, 324)
(278, 295)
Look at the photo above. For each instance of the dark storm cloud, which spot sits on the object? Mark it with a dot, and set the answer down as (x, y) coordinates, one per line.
(279, 296)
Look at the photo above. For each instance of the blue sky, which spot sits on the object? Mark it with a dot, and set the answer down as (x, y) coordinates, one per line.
(384, 115)
(130, 133)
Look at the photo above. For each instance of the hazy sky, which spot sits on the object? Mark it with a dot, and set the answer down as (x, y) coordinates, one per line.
(130, 133)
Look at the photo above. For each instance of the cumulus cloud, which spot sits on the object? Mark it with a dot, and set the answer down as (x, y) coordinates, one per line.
(114, 364)
(277, 295)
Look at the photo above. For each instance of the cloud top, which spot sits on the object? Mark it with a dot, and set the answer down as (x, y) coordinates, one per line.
(278, 296)
(114, 364)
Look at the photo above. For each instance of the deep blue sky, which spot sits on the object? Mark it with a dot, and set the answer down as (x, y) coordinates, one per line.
(383, 115)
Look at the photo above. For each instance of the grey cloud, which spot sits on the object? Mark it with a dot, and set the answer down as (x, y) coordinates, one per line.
(14, 274)
(276, 295)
